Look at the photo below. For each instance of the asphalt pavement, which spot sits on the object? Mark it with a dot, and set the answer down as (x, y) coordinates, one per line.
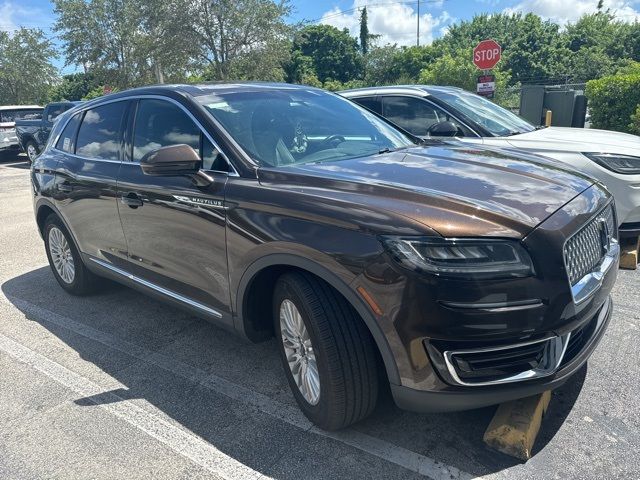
(118, 385)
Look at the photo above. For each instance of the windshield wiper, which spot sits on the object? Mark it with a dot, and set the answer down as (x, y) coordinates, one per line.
(389, 150)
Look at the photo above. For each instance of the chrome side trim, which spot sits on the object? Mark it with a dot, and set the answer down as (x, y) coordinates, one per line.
(157, 288)
(497, 306)
(552, 357)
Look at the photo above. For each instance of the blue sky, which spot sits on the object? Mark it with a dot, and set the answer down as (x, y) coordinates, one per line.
(394, 20)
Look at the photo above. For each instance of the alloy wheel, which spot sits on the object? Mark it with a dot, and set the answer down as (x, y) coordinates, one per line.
(299, 352)
(61, 255)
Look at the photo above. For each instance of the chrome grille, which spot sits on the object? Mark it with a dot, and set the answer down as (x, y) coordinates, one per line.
(587, 248)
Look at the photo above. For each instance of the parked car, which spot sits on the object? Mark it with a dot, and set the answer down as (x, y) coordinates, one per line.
(33, 132)
(463, 276)
(611, 157)
(8, 116)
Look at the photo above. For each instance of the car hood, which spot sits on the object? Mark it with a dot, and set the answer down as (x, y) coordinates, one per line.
(578, 140)
(454, 190)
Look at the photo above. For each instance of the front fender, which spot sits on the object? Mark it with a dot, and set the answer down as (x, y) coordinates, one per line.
(338, 277)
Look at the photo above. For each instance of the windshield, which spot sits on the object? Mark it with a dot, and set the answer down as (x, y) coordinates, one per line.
(284, 127)
(497, 120)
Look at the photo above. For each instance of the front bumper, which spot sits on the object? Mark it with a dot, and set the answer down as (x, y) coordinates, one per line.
(476, 397)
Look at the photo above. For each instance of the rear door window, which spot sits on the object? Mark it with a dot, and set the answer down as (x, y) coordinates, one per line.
(67, 139)
(100, 132)
(371, 103)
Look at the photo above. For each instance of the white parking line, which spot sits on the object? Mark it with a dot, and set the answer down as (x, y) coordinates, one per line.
(185, 443)
(400, 456)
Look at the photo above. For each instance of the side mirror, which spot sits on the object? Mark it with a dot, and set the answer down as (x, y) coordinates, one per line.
(171, 161)
(443, 129)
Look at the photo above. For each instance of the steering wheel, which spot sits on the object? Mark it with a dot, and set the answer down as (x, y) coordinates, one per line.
(327, 142)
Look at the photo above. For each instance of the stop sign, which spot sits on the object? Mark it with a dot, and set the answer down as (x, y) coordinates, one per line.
(486, 54)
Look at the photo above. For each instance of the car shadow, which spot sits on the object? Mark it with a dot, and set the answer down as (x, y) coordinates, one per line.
(14, 160)
(242, 432)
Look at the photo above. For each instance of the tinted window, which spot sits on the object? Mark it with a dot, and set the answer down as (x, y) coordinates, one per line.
(66, 142)
(57, 110)
(371, 103)
(100, 131)
(413, 114)
(13, 115)
(160, 123)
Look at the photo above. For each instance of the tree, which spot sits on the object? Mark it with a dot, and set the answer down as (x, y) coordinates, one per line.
(532, 48)
(74, 86)
(243, 39)
(26, 72)
(126, 42)
(458, 71)
(332, 53)
(364, 32)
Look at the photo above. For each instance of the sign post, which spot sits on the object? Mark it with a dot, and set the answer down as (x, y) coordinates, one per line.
(485, 56)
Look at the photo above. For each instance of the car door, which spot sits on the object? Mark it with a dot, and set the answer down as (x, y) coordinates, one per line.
(175, 229)
(90, 149)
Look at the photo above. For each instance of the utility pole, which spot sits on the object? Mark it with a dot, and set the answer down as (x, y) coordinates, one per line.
(418, 27)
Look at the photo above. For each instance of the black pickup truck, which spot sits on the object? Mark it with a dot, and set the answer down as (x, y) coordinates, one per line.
(33, 131)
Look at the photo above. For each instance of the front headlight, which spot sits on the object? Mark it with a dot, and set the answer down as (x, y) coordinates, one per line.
(461, 257)
(618, 163)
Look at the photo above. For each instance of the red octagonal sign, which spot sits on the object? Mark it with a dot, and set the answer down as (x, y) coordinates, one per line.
(486, 54)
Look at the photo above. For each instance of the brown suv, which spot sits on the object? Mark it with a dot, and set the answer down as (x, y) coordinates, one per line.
(463, 276)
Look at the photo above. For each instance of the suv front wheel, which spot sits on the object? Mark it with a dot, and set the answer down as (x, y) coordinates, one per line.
(328, 354)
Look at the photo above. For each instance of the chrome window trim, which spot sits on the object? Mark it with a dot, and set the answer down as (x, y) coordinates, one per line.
(157, 288)
(84, 108)
(592, 281)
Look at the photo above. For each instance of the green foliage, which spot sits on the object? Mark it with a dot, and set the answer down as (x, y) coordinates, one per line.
(457, 70)
(239, 39)
(634, 127)
(74, 87)
(613, 100)
(364, 32)
(99, 91)
(330, 53)
(26, 72)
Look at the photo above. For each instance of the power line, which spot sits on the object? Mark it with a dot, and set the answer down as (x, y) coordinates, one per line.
(369, 5)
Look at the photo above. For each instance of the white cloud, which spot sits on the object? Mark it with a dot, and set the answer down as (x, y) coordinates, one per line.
(394, 22)
(15, 15)
(566, 11)
(7, 12)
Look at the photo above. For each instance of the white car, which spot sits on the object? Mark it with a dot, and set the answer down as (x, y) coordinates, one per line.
(8, 116)
(429, 111)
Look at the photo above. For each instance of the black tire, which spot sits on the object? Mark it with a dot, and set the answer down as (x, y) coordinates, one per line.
(84, 281)
(32, 144)
(345, 352)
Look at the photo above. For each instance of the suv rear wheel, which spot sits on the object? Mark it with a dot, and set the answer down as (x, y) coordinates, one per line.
(65, 260)
(328, 354)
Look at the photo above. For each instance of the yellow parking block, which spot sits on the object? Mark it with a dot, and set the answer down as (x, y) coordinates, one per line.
(629, 253)
(515, 425)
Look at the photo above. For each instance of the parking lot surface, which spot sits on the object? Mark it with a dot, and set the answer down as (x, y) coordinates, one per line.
(118, 385)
